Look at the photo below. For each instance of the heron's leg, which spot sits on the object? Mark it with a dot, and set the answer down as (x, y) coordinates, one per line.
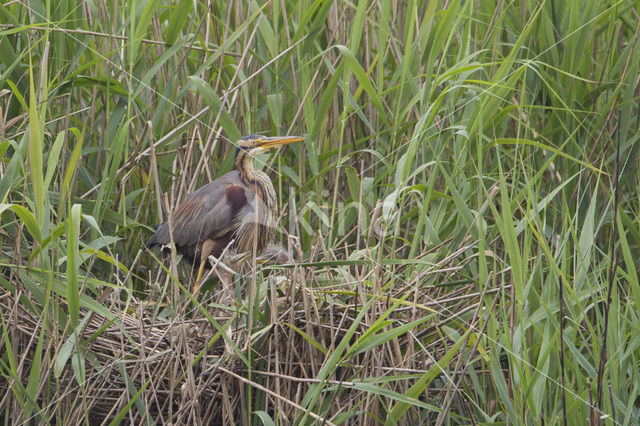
(207, 247)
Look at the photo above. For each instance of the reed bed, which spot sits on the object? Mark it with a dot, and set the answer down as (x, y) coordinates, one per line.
(463, 212)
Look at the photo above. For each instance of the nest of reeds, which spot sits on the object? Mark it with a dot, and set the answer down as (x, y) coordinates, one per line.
(202, 365)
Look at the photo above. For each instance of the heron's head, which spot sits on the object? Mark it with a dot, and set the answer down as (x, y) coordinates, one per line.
(274, 255)
(256, 144)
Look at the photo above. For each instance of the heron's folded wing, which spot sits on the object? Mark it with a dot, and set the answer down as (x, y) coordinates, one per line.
(207, 213)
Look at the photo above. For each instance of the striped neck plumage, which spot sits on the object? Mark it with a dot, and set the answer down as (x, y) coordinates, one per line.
(244, 164)
(257, 180)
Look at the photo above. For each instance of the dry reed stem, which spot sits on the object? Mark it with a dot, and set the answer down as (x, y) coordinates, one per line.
(174, 355)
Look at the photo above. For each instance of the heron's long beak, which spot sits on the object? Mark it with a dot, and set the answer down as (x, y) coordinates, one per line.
(276, 141)
(238, 258)
(266, 257)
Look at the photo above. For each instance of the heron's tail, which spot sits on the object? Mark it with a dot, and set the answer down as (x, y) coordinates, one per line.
(161, 237)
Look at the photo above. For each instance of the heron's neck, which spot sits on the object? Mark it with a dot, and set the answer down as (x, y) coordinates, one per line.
(244, 164)
(257, 180)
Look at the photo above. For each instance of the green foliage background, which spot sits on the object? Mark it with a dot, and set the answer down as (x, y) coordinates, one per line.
(484, 132)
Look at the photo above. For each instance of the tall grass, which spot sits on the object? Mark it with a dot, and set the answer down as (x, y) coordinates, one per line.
(461, 256)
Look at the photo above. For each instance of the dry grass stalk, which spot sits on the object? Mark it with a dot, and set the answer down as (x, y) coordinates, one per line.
(190, 374)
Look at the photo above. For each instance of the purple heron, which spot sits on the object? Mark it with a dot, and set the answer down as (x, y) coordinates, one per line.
(237, 206)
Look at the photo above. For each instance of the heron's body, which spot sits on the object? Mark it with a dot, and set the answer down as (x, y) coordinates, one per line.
(239, 206)
(221, 211)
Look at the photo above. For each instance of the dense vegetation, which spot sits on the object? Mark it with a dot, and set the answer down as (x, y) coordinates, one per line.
(464, 211)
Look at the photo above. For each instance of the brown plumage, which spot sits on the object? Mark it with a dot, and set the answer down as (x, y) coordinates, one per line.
(236, 206)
